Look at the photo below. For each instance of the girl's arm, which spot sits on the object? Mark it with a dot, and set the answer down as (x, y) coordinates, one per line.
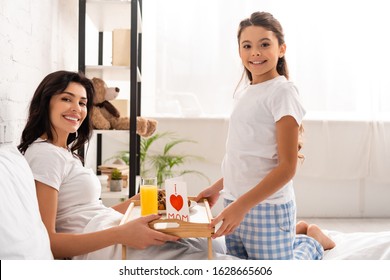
(212, 192)
(136, 233)
(287, 143)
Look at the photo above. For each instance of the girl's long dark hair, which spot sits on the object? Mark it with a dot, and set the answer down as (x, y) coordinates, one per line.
(38, 121)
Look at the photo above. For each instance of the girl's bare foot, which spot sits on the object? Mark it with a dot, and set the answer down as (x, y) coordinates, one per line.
(301, 227)
(315, 232)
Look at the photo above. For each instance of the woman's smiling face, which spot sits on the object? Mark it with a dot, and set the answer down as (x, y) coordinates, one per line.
(68, 110)
(259, 52)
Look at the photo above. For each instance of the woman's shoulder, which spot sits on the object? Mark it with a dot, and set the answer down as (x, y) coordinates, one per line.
(40, 145)
(42, 149)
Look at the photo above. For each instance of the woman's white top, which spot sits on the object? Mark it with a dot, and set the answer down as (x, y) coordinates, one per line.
(79, 208)
(78, 187)
(81, 211)
(251, 147)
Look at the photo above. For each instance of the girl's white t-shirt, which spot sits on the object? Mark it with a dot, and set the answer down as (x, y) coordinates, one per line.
(251, 148)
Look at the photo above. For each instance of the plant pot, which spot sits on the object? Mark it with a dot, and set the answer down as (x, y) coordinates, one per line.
(116, 185)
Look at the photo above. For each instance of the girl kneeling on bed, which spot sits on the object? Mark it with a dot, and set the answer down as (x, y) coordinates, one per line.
(262, 154)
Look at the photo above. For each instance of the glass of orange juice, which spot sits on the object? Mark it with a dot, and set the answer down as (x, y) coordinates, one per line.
(148, 193)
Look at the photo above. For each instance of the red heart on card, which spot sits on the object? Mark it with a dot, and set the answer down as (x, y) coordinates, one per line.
(176, 201)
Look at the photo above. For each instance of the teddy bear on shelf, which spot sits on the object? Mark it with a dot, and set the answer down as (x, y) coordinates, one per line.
(106, 116)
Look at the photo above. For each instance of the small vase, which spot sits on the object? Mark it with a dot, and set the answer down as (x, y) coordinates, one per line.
(116, 185)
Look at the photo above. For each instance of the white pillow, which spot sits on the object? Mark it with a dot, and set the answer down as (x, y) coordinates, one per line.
(22, 232)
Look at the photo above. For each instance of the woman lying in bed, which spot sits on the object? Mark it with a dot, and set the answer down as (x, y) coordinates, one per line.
(79, 225)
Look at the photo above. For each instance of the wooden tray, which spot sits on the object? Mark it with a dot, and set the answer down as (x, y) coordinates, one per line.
(198, 225)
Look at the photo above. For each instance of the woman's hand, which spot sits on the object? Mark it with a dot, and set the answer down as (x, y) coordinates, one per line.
(231, 218)
(138, 235)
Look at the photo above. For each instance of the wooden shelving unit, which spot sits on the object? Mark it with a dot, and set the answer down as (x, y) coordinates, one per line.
(107, 15)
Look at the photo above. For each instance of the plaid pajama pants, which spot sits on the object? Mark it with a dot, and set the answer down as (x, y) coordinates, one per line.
(268, 233)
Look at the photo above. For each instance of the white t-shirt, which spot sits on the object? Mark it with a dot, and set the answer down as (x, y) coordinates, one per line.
(79, 208)
(251, 148)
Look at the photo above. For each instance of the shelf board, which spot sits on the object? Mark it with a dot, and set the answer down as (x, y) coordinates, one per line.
(107, 194)
(108, 67)
(111, 132)
(108, 15)
(120, 72)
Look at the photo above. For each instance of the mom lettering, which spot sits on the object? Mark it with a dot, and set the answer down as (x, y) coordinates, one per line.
(178, 216)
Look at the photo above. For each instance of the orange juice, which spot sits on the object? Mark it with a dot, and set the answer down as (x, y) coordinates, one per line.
(149, 201)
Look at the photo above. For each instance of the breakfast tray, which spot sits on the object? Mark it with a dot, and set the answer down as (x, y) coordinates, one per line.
(197, 226)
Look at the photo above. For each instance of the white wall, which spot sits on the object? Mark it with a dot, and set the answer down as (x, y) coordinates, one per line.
(36, 38)
(344, 173)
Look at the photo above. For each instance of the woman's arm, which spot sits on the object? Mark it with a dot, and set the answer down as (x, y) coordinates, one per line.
(287, 143)
(136, 233)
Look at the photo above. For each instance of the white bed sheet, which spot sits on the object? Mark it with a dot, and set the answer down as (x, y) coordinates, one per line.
(359, 246)
(349, 246)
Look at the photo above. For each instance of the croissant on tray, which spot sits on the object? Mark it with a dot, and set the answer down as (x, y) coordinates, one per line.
(161, 197)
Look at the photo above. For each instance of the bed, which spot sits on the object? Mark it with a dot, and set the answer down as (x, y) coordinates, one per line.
(359, 246)
(23, 235)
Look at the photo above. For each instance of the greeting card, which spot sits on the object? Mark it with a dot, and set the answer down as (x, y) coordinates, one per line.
(177, 200)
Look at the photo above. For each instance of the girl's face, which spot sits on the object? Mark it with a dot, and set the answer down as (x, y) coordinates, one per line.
(68, 110)
(259, 52)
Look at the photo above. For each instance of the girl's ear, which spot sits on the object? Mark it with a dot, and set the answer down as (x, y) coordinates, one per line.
(282, 50)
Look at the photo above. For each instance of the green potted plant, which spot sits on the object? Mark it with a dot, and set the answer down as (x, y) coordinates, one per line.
(162, 163)
(165, 163)
(116, 182)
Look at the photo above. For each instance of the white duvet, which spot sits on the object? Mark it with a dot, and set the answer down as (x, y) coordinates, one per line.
(359, 246)
(349, 246)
